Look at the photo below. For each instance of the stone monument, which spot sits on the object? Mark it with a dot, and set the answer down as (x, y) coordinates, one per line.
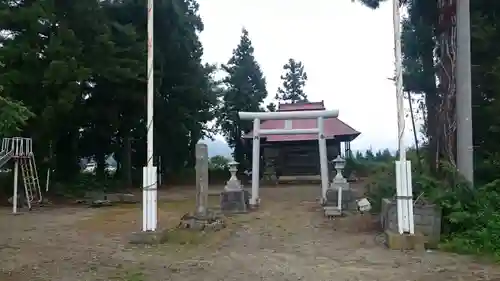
(202, 218)
(338, 182)
(201, 179)
(234, 198)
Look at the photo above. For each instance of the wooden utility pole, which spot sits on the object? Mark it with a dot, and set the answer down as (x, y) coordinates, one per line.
(465, 149)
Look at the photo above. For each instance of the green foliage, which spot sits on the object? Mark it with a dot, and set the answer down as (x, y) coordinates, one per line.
(294, 80)
(79, 68)
(471, 216)
(271, 107)
(85, 183)
(245, 91)
(218, 162)
(380, 184)
(13, 115)
(188, 177)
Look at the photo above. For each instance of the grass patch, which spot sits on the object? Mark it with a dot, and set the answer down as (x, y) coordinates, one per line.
(125, 219)
(187, 237)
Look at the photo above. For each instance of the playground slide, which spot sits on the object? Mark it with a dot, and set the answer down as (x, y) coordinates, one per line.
(5, 156)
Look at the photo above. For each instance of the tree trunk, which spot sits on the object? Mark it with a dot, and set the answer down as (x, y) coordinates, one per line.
(126, 167)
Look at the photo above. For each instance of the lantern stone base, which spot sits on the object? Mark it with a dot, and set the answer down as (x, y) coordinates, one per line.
(331, 212)
(234, 201)
(333, 192)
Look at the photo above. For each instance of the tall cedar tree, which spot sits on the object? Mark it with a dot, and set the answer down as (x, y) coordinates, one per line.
(294, 80)
(246, 91)
(78, 66)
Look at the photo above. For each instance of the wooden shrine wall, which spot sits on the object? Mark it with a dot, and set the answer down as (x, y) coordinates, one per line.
(298, 158)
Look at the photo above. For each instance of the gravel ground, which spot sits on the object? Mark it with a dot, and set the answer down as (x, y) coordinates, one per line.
(286, 239)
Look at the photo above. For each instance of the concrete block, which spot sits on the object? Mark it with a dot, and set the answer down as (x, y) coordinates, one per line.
(148, 237)
(427, 220)
(396, 241)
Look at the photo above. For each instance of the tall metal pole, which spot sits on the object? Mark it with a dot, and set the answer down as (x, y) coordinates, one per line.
(150, 94)
(149, 208)
(403, 168)
(399, 80)
(465, 149)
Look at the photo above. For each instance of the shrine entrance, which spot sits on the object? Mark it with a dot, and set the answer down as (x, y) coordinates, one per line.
(257, 133)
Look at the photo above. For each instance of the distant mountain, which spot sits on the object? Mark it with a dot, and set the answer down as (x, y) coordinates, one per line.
(218, 147)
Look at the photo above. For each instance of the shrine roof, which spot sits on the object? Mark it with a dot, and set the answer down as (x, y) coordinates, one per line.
(334, 127)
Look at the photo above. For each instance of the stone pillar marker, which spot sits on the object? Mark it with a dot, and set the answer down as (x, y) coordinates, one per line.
(202, 219)
(201, 179)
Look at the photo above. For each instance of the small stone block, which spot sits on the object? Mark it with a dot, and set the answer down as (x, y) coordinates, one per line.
(396, 241)
(100, 203)
(148, 237)
(210, 221)
(332, 212)
(129, 198)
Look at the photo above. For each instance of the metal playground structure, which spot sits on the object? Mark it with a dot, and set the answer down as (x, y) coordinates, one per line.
(20, 150)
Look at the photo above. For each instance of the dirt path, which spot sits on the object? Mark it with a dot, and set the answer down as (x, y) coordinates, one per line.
(287, 239)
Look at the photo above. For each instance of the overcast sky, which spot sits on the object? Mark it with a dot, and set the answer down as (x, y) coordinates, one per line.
(347, 51)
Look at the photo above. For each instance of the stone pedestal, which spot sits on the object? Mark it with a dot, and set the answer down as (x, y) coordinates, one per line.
(332, 212)
(332, 195)
(234, 201)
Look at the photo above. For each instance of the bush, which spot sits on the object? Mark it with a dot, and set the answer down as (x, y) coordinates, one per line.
(471, 216)
(188, 176)
(84, 183)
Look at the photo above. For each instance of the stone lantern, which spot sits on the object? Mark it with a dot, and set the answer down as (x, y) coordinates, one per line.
(338, 195)
(233, 183)
(339, 165)
(233, 198)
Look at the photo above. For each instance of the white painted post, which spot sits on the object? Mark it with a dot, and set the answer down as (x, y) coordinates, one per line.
(149, 176)
(339, 199)
(149, 199)
(409, 202)
(144, 200)
(255, 163)
(153, 199)
(323, 158)
(16, 176)
(404, 197)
